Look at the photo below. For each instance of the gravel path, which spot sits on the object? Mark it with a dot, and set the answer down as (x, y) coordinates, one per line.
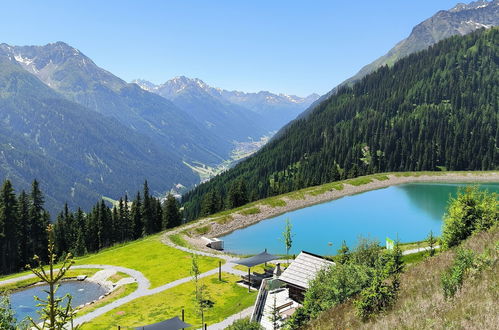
(411, 251)
(228, 321)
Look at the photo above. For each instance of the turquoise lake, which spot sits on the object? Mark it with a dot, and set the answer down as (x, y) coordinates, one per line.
(408, 211)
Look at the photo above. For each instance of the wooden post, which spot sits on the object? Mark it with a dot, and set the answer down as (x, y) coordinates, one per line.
(249, 279)
(183, 317)
(220, 271)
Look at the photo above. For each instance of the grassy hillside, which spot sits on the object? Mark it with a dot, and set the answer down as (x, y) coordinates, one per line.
(421, 304)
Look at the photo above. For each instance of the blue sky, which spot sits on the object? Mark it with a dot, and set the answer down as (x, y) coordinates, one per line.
(293, 47)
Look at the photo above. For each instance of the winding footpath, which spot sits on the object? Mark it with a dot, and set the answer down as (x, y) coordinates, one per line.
(144, 284)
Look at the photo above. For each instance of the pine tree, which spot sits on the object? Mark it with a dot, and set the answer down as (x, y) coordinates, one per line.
(127, 220)
(136, 215)
(171, 213)
(148, 212)
(25, 239)
(39, 220)
(9, 232)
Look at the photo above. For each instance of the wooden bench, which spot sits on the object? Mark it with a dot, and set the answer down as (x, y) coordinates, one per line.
(288, 304)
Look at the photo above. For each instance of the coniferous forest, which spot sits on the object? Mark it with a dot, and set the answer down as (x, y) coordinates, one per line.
(23, 223)
(433, 110)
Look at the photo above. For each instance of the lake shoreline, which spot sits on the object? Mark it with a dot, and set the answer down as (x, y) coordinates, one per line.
(240, 221)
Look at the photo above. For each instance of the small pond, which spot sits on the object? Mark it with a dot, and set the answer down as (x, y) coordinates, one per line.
(408, 211)
(82, 292)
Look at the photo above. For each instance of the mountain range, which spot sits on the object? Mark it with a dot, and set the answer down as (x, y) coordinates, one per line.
(265, 110)
(78, 155)
(85, 133)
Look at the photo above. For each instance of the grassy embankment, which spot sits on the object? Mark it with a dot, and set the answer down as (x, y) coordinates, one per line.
(421, 303)
(227, 297)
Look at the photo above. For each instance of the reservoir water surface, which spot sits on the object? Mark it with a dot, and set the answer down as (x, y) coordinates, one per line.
(408, 211)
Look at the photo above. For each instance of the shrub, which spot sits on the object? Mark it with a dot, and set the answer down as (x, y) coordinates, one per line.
(7, 319)
(367, 252)
(452, 278)
(376, 298)
(472, 210)
(331, 286)
(244, 324)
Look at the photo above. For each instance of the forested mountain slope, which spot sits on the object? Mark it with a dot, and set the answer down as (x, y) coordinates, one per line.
(76, 154)
(434, 109)
(74, 75)
(460, 20)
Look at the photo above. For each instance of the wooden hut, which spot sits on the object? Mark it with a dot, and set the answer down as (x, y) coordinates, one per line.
(301, 271)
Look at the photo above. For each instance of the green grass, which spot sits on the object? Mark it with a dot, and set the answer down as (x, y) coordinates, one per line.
(179, 240)
(326, 187)
(359, 181)
(228, 298)
(250, 211)
(158, 262)
(118, 276)
(120, 292)
(202, 230)
(225, 219)
(274, 202)
(415, 257)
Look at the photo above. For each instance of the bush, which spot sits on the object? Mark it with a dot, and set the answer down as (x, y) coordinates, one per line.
(452, 279)
(472, 210)
(331, 286)
(244, 324)
(7, 319)
(366, 253)
(376, 298)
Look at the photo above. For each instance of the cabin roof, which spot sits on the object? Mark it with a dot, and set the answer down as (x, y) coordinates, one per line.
(304, 269)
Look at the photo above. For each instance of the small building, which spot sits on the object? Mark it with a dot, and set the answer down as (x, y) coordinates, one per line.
(301, 271)
(214, 243)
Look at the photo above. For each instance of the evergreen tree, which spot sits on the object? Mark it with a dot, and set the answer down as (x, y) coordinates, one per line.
(9, 234)
(25, 234)
(343, 255)
(148, 212)
(39, 220)
(136, 215)
(128, 225)
(80, 247)
(171, 213)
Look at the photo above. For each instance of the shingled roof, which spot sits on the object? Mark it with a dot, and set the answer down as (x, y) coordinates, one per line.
(303, 269)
